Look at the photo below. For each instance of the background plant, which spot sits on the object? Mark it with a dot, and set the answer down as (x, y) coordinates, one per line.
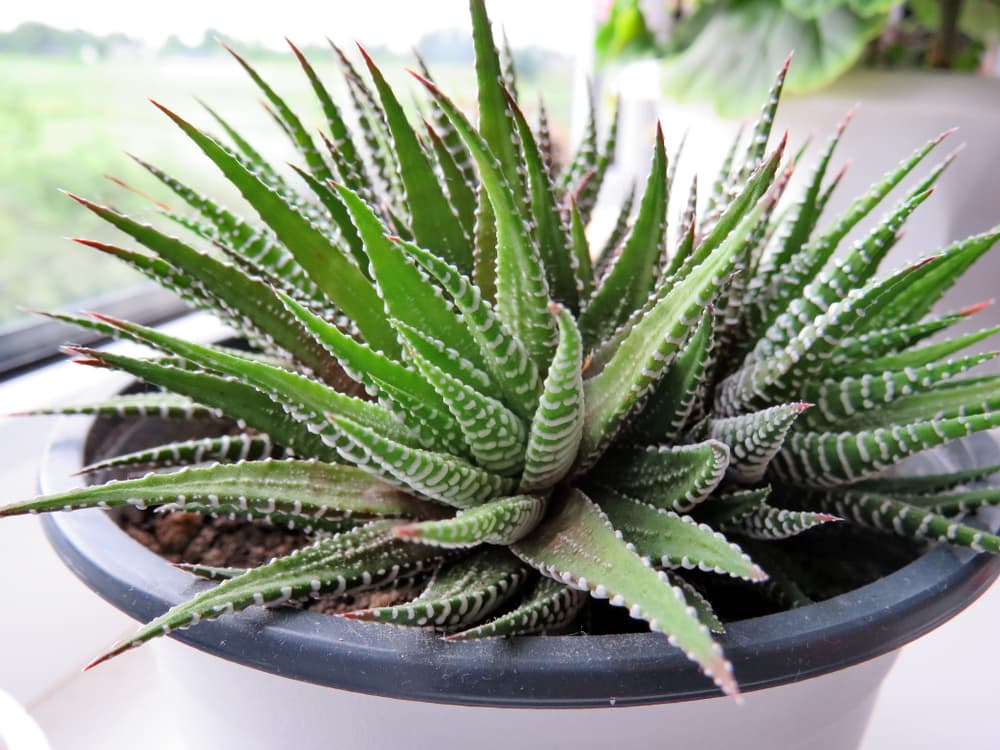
(451, 387)
(703, 42)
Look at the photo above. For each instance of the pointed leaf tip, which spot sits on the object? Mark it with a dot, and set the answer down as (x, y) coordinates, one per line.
(104, 318)
(783, 143)
(407, 531)
(973, 309)
(427, 83)
(104, 247)
(82, 201)
(119, 648)
(364, 53)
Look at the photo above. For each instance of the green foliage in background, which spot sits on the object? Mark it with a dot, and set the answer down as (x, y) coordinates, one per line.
(724, 51)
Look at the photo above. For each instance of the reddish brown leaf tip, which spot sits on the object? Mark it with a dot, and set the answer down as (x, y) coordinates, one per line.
(105, 318)
(430, 86)
(90, 362)
(358, 614)
(944, 135)
(783, 143)
(96, 244)
(120, 648)
(800, 406)
(75, 350)
(364, 53)
(408, 531)
(973, 309)
(848, 116)
(955, 152)
(758, 574)
(720, 670)
(78, 199)
(169, 113)
(227, 48)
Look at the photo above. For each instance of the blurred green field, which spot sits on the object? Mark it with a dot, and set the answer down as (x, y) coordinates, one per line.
(64, 125)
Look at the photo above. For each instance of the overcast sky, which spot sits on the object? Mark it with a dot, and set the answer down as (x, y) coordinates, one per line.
(557, 24)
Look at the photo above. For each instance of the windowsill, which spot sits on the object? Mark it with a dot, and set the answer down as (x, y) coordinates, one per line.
(28, 343)
(56, 624)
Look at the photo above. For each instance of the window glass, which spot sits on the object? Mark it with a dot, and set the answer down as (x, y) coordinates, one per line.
(75, 77)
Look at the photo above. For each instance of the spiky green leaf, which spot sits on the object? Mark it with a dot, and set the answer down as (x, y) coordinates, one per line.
(548, 606)
(670, 477)
(458, 594)
(502, 521)
(340, 280)
(356, 560)
(439, 476)
(577, 545)
(521, 286)
(673, 540)
(557, 426)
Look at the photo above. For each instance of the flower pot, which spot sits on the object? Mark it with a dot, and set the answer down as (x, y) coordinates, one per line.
(18, 731)
(295, 678)
(898, 112)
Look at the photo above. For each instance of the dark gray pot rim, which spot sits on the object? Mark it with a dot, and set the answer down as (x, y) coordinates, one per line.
(540, 672)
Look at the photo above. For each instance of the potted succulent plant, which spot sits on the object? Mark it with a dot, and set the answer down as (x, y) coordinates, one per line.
(451, 394)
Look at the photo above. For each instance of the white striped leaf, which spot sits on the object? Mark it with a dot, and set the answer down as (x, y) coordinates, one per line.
(549, 606)
(166, 405)
(754, 439)
(494, 434)
(505, 357)
(895, 516)
(576, 544)
(502, 521)
(299, 487)
(670, 477)
(673, 540)
(555, 431)
(458, 594)
(363, 558)
(438, 476)
(243, 447)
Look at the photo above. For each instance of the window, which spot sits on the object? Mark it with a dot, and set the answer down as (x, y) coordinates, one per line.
(75, 80)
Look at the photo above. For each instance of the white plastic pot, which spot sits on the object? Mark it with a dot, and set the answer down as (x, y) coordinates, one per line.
(824, 713)
(18, 731)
